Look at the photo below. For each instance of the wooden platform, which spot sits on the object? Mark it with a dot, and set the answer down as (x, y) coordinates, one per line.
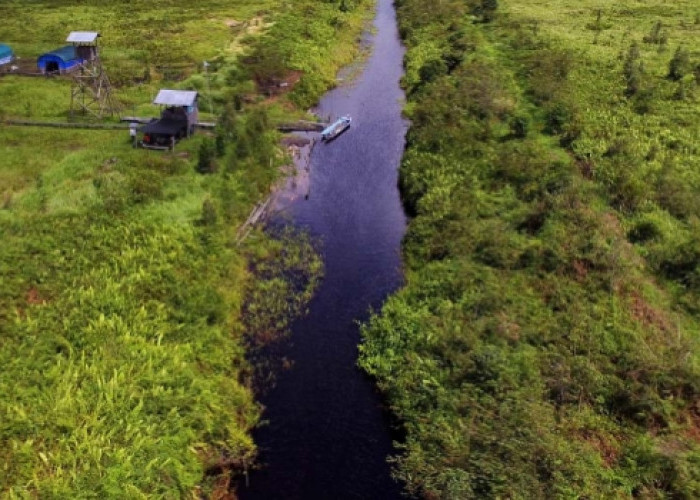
(301, 126)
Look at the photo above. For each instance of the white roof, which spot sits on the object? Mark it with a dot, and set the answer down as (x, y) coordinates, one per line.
(82, 36)
(176, 97)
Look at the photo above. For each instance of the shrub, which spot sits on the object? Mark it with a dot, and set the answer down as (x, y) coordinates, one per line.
(114, 190)
(145, 185)
(679, 64)
(432, 69)
(657, 35)
(633, 71)
(520, 125)
(558, 115)
(206, 163)
(486, 9)
(209, 213)
(643, 231)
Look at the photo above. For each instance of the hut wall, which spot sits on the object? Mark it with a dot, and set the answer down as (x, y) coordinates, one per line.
(62, 60)
(86, 52)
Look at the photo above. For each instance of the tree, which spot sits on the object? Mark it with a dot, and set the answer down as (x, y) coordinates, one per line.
(633, 71)
(205, 162)
(486, 9)
(679, 65)
(209, 213)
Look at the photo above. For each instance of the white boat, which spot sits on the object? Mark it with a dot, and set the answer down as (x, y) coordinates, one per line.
(336, 128)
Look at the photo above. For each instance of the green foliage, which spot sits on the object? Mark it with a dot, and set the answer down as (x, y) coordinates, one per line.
(206, 163)
(125, 376)
(124, 373)
(657, 35)
(485, 9)
(520, 125)
(287, 273)
(546, 342)
(679, 64)
(633, 71)
(313, 39)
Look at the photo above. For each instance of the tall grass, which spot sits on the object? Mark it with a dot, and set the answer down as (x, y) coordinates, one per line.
(122, 286)
(546, 345)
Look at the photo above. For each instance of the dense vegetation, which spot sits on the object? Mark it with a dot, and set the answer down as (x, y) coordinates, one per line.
(125, 295)
(546, 342)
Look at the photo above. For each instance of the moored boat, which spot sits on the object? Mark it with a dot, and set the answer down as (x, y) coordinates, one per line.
(336, 128)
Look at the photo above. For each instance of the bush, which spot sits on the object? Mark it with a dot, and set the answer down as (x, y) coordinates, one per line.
(145, 185)
(432, 69)
(679, 65)
(558, 115)
(520, 125)
(206, 162)
(657, 35)
(633, 71)
(643, 231)
(210, 214)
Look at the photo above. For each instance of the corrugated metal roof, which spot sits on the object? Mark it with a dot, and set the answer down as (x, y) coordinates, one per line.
(176, 97)
(82, 36)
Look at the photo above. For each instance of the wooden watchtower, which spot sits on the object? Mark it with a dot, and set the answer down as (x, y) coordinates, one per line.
(91, 92)
(85, 43)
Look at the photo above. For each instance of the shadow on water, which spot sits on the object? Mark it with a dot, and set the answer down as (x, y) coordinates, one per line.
(327, 436)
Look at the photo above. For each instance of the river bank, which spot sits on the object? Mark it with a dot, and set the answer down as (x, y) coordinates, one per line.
(546, 344)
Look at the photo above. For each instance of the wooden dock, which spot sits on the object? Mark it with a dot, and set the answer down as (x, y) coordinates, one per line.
(297, 126)
(301, 126)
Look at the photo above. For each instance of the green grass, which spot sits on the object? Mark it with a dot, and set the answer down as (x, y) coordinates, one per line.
(546, 344)
(123, 288)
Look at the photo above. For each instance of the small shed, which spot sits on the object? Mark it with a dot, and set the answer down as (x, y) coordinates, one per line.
(85, 43)
(179, 105)
(178, 119)
(60, 60)
(182, 103)
(6, 54)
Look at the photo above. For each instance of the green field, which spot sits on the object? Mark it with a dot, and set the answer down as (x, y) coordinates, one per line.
(125, 298)
(547, 342)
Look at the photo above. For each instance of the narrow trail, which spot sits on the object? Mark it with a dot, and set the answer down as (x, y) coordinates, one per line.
(327, 435)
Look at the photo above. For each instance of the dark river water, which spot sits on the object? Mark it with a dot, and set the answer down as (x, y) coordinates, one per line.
(327, 436)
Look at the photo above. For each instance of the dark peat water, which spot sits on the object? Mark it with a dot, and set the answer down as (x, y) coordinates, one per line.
(327, 435)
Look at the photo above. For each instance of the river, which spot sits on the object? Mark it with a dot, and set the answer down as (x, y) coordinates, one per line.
(327, 435)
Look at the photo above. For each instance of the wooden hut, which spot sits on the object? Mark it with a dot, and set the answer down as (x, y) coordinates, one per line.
(178, 119)
(85, 43)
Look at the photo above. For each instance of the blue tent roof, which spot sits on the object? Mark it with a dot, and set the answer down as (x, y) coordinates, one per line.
(5, 51)
(66, 53)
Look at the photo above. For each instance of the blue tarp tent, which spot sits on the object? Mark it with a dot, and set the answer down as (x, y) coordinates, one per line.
(6, 54)
(59, 60)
